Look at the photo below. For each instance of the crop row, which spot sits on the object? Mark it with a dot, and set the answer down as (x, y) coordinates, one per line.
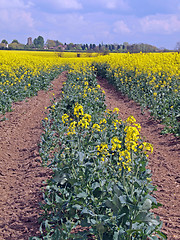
(23, 74)
(100, 185)
(153, 80)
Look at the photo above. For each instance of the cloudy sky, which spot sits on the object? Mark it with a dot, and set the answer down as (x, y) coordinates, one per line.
(155, 22)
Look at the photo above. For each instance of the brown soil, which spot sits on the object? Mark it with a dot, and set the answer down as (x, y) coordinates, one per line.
(21, 174)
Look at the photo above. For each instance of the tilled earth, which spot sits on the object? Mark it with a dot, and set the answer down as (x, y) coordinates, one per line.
(21, 174)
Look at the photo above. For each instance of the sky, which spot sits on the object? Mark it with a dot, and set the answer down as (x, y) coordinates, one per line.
(155, 22)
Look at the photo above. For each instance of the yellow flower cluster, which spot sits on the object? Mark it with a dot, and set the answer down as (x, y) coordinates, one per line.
(102, 150)
(65, 118)
(83, 120)
(116, 143)
(78, 110)
(71, 129)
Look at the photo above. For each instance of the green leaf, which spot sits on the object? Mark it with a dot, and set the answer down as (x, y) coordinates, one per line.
(77, 206)
(161, 234)
(116, 201)
(87, 211)
(117, 190)
(95, 185)
(81, 156)
(122, 199)
(82, 195)
(125, 211)
(147, 204)
(58, 199)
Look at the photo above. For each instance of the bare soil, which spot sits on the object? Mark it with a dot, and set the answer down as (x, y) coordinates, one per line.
(22, 176)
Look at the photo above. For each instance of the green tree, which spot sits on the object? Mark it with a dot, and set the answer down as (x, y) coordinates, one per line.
(16, 46)
(50, 43)
(94, 45)
(70, 46)
(4, 41)
(39, 42)
(2, 46)
(15, 41)
(58, 43)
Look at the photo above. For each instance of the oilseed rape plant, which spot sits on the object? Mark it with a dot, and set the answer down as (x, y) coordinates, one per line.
(100, 181)
(152, 79)
(24, 73)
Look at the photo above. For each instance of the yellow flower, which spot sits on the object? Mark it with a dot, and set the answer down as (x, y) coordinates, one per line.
(116, 143)
(155, 94)
(102, 150)
(87, 117)
(96, 127)
(145, 146)
(131, 120)
(65, 118)
(78, 110)
(71, 129)
(116, 110)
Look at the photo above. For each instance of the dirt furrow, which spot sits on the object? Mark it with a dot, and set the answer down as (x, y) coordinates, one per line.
(164, 162)
(21, 174)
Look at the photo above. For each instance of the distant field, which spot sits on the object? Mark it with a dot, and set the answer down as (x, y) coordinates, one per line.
(152, 79)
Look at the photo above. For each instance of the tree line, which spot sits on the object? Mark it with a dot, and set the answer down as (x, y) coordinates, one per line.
(55, 45)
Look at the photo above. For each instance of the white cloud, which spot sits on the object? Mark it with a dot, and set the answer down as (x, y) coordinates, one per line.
(159, 23)
(98, 5)
(13, 20)
(115, 4)
(5, 4)
(69, 4)
(121, 27)
(59, 4)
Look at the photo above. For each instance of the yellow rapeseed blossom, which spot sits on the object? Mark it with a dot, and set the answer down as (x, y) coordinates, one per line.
(102, 150)
(65, 118)
(78, 110)
(71, 129)
(96, 127)
(116, 143)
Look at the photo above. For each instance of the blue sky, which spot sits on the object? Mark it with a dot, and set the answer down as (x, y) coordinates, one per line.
(155, 22)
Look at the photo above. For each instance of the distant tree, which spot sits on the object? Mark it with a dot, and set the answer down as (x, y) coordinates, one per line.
(78, 46)
(58, 43)
(177, 46)
(2, 46)
(39, 42)
(83, 47)
(4, 41)
(15, 41)
(16, 46)
(70, 46)
(50, 43)
(94, 45)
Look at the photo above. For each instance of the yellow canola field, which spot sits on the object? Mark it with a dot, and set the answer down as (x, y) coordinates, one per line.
(145, 77)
